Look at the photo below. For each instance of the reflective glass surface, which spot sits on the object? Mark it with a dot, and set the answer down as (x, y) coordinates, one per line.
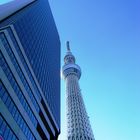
(17, 89)
(4, 95)
(5, 131)
(37, 32)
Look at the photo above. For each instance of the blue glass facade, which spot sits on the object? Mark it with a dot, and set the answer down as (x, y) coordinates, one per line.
(15, 113)
(37, 67)
(5, 131)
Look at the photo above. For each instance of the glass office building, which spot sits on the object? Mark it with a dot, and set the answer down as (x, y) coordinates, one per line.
(29, 72)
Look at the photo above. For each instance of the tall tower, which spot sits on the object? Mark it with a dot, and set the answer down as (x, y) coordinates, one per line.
(78, 125)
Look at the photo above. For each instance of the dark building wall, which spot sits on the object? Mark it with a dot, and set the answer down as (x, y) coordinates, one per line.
(39, 38)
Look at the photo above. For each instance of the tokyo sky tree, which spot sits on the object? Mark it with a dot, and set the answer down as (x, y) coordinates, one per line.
(78, 125)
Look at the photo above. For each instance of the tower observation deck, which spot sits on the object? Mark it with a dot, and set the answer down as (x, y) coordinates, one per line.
(78, 125)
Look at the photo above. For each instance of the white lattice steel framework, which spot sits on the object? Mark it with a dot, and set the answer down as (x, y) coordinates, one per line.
(78, 125)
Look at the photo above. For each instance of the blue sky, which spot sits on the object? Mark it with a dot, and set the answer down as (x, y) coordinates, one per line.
(105, 39)
(5, 1)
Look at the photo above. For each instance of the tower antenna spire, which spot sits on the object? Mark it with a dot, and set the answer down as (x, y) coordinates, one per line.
(68, 46)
